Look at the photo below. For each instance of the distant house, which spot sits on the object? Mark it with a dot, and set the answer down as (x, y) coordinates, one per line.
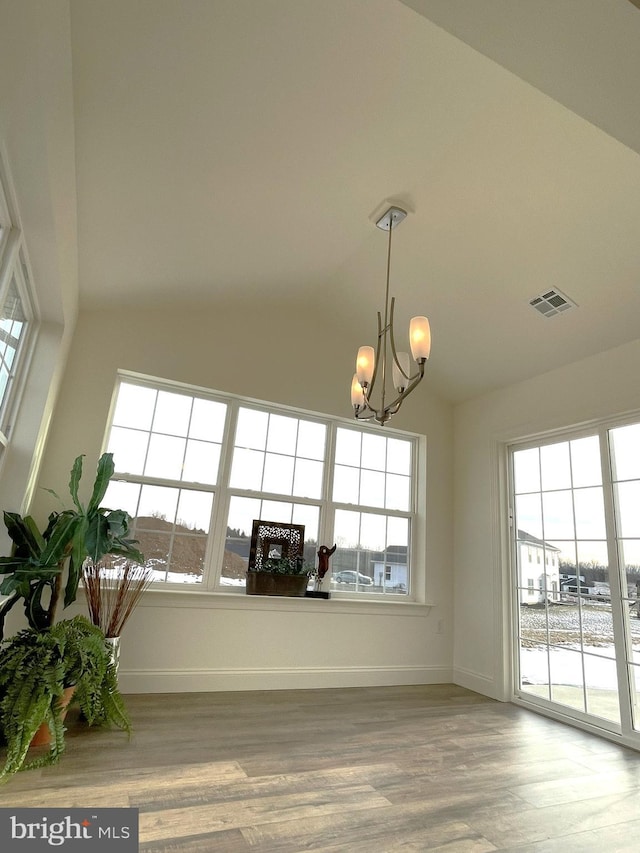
(390, 575)
(390, 567)
(538, 569)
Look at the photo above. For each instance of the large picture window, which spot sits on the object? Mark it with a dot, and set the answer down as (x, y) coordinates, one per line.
(195, 469)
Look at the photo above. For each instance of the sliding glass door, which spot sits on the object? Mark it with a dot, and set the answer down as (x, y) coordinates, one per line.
(576, 546)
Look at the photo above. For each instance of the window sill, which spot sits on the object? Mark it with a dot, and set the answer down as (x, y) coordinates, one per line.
(190, 599)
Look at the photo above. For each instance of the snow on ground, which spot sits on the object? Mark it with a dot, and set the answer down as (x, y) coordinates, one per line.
(564, 622)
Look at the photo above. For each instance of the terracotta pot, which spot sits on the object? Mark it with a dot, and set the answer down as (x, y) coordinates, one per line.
(266, 583)
(43, 736)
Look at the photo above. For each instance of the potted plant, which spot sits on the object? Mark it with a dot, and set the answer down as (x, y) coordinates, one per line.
(36, 668)
(34, 571)
(112, 593)
(279, 576)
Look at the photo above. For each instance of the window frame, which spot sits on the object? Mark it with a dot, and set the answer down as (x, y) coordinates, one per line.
(223, 492)
(623, 729)
(14, 270)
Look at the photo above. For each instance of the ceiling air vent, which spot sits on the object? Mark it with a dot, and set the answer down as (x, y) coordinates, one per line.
(552, 302)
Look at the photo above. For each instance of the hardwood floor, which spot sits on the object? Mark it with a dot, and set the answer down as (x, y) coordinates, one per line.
(362, 770)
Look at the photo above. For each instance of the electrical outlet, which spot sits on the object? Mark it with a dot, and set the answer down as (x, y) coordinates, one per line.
(439, 628)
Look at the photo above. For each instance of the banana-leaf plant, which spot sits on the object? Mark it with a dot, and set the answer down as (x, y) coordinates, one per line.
(34, 571)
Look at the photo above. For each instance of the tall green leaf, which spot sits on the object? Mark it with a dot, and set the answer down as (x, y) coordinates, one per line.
(104, 473)
(77, 555)
(74, 482)
(97, 538)
(24, 534)
(11, 564)
(57, 547)
(36, 614)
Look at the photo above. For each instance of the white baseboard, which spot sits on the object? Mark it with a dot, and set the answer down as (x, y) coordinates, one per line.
(478, 683)
(208, 681)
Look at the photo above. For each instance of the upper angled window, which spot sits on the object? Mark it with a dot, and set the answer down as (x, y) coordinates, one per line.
(6, 220)
(167, 435)
(278, 454)
(16, 315)
(195, 468)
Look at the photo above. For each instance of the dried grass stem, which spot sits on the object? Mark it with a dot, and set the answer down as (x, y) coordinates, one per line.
(113, 593)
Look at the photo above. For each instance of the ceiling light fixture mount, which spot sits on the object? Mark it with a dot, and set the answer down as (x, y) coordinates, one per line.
(372, 364)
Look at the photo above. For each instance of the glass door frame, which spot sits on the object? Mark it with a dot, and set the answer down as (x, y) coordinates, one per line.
(623, 732)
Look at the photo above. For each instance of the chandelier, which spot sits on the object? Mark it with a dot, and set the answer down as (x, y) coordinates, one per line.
(372, 364)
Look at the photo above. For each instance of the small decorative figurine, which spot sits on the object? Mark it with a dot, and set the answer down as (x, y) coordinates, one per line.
(323, 567)
(323, 563)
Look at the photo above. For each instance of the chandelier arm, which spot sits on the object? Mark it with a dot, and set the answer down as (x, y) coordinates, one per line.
(369, 389)
(379, 353)
(361, 416)
(416, 380)
(383, 415)
(366, 396)
(393, 407)
(365, 400)
(394, 351)
(417, 376)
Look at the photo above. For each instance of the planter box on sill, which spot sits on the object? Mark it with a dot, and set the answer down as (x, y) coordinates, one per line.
(268, 583)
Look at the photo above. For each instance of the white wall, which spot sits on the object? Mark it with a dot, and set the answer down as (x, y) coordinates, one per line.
(178, 641)
(588, 390)
(258, 350)
(37, 142)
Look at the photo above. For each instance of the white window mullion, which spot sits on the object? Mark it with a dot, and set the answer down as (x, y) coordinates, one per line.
(208, 567)
(327, 510)
(220, 512)
(618, 587)
(516, 574)
(9, 260)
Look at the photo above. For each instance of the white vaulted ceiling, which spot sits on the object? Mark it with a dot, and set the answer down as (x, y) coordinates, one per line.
(227, 148)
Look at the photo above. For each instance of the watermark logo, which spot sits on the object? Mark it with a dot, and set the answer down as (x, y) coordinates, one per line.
(79, 830)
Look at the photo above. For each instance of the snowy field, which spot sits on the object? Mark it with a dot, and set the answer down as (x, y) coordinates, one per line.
(569, 632)
(567, 625)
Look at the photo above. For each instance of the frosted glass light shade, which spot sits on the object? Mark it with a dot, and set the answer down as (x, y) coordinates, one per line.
(420, 337)
(400, 382)
(357, 394)
(364, 364)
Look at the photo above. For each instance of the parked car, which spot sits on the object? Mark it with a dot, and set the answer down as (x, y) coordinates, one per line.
(352, 577)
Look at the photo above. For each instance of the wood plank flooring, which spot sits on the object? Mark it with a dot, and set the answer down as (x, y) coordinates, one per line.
(362, 770)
